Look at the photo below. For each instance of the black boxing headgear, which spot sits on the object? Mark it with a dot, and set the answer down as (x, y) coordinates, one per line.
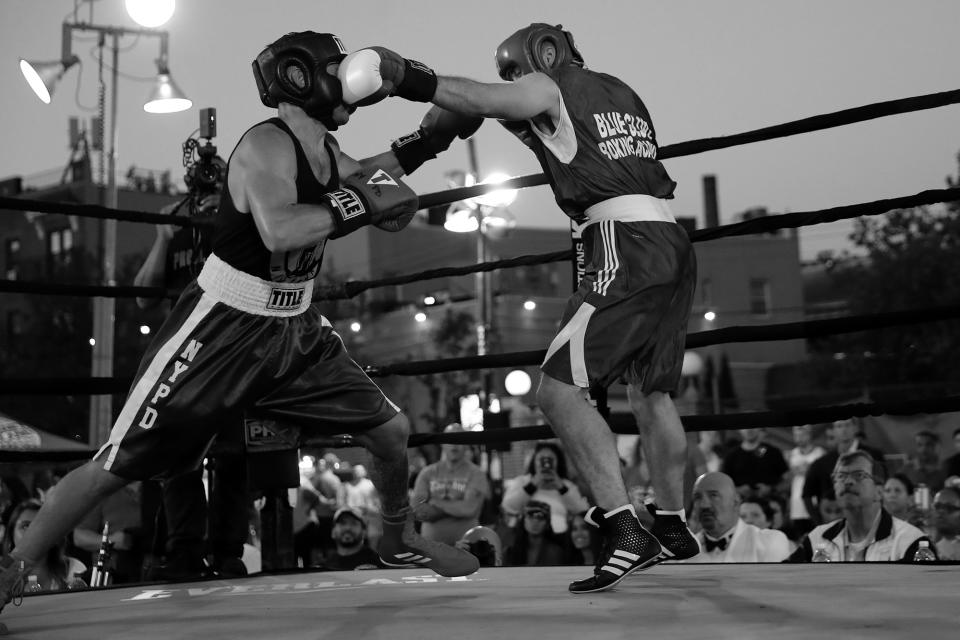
(294, 69)
(523, 51)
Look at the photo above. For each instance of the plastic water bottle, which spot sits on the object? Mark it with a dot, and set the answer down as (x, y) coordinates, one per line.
(33, 585)
(820, 555)
(924, 553)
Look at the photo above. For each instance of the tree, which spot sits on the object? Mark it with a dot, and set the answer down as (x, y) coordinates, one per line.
(911, 261)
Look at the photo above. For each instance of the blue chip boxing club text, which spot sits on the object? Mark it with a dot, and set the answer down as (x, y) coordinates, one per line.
(629, 135)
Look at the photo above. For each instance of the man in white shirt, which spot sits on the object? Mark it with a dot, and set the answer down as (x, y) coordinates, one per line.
(819, 482)
(867, 532)
(725, 537)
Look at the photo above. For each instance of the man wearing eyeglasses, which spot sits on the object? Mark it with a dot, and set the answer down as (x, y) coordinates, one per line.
(866, 532)
(946, 523)
(818, 483)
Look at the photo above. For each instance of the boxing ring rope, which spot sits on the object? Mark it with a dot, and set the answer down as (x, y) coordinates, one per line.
(758, 333)
(352, 288)
(747, 227)
(690, 147)
(795, 330)
(804, 329)
(100, 212)
(691, 423)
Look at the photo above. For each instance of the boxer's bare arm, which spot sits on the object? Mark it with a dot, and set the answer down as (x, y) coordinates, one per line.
(527, 97)
(347, 165)
(262, 180)
(386, 161)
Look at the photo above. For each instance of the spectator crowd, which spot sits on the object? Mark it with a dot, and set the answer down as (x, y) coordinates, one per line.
(832, 497)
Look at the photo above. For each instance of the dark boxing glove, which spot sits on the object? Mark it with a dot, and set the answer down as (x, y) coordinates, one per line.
(369, 75)
(437, 130)
(519, 128)
(371, 196)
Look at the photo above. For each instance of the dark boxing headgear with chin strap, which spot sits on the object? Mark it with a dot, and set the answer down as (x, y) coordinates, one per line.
(522, 50)
(294, 69)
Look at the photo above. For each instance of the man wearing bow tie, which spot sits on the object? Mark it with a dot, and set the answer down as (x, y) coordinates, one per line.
(725, 537)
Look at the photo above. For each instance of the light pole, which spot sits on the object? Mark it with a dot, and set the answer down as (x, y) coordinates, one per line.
(483, 281)
(482, 214)
(165, 97)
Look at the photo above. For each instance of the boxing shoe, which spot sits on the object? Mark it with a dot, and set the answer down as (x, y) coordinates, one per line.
(13, 577)
(402, 546)
(229, 567)
(181, 565)
(674, 535)
(627, 547)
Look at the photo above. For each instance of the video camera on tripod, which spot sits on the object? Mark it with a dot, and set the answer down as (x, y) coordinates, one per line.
(205, 169)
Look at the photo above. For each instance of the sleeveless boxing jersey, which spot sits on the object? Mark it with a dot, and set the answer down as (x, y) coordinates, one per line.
(238, 243)
(604, 145)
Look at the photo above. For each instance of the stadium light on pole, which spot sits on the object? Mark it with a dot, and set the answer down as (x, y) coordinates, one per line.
(165, 97)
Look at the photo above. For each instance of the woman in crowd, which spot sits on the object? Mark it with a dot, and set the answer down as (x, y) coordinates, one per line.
(57, 571)
(546, 481)
(756, 511)
(898, 500)
(585, 542)
(534, 543)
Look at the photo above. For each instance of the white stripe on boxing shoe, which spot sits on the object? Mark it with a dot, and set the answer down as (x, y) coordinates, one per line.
(617, 558)
(408, 560)
(413, 557)
(666, 554)
(620, 558)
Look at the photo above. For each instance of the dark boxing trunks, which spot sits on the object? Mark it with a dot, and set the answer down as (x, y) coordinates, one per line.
(211, 361)
(628, 318)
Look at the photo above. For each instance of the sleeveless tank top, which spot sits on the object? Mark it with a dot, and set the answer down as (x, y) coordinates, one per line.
(604, 145)
(237, 241)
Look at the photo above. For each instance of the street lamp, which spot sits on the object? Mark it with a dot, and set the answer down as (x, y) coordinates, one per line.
(489, 209)
(165, 97)
(150, 13)
(485, 215)
(518, 382)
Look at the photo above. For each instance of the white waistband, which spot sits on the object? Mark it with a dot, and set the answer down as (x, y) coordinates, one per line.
(248, 293)
(631, 208)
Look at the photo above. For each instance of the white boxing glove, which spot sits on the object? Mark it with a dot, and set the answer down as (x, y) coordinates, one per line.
(369, 75)
(360, 78)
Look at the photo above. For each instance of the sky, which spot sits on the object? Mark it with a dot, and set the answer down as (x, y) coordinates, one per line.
(703, 69)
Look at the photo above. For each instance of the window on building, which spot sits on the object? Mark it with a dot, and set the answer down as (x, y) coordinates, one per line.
(59, 247)
(759, 296)
(11, 258)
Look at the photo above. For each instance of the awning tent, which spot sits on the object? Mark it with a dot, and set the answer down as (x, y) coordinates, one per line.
(17, 436)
